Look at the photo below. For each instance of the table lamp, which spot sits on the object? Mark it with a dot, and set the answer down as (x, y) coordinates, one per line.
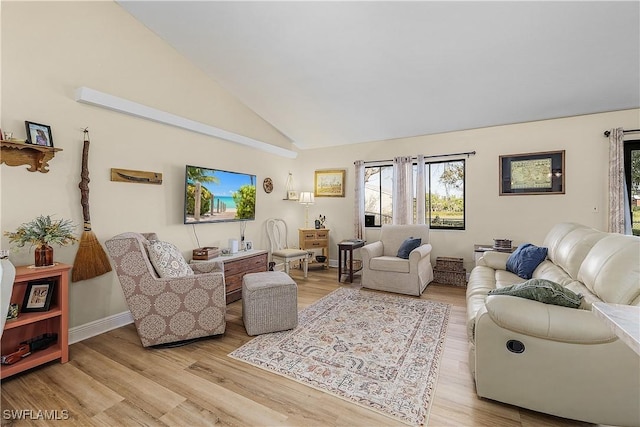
(306, 199)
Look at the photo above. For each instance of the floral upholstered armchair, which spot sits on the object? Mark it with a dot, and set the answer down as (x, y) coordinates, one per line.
(169, 301)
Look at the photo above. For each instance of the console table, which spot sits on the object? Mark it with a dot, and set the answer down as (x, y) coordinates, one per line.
(624, 321)
(236, 266)
(479, 250)
(345, 258)
(312, 238)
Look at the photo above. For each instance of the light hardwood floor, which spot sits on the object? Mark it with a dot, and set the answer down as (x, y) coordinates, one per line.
(112, 381)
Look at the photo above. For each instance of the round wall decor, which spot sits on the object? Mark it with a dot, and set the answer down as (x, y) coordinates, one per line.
(267, 184)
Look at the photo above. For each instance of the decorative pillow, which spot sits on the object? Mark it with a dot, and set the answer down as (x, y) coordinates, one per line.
(167, 260)
(525, 259)
(542, 290)
(407, 246)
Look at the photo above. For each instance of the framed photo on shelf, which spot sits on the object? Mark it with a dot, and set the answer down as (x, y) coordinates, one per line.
(329, 183)
(38, 134)
(38, 296)
(532, 173)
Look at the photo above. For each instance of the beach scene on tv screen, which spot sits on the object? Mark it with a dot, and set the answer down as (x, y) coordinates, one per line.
(216, 195)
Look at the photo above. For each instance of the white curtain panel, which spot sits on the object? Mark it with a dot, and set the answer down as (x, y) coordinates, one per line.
(402, 190)
(358, 224)
(619, 221)
(420, 190)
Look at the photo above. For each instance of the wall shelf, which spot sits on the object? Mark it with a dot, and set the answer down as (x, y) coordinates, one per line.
(35, 156)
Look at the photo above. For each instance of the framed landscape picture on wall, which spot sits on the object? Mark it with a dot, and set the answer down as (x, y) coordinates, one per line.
(532, 173)
(329, 183)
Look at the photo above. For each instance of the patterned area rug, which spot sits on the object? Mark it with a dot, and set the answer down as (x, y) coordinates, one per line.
(378, 350)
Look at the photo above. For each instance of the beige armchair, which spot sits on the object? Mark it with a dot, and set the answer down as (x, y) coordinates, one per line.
(168, 309)
(382, 269)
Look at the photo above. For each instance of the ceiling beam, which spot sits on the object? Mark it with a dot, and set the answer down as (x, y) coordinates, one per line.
(90, 96)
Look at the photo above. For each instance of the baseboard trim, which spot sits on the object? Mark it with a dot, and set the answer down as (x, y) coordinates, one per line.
(100, 326)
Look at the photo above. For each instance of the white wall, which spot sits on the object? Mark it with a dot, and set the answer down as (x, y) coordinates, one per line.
(488, 215)
(51, 48)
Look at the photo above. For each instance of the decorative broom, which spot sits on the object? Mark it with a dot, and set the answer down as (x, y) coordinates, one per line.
(91, 260)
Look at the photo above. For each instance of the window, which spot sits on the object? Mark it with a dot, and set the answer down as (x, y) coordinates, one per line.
(632, 177)
(445, 195)
(378, 200)
(444, 198)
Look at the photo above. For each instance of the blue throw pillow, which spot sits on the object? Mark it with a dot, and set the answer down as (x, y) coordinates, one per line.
(407, 246)
(525, 259)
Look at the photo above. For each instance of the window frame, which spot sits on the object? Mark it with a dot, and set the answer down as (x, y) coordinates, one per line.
(379, 213)
(428, 193)
(464, 195)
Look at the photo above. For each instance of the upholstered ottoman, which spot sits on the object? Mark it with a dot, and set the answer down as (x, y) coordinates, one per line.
(269, 302)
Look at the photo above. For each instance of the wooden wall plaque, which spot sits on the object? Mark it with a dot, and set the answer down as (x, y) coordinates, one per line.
(137, 177)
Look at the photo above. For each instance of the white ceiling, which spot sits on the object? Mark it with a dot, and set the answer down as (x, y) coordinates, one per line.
(332, 73)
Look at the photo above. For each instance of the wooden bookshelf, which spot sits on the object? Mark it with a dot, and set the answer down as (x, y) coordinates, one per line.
(30, 325)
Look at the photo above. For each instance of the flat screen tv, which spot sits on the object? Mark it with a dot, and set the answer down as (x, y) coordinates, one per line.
(214, 195)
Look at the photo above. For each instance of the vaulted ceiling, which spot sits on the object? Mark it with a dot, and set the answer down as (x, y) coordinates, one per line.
(339, 72)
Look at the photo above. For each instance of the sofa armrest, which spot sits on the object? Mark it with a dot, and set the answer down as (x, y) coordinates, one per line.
(495, 260)
(207, 267)
(546, 321)
(371, 250)
(418, 254)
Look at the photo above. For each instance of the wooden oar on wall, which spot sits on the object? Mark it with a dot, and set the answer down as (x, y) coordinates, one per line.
(91, 260)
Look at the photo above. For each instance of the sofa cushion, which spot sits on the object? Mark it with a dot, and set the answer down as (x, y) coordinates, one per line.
(389, 263)
(541, 290)
(611, 269)
(167, 259)
(407, 246)
(525, 259)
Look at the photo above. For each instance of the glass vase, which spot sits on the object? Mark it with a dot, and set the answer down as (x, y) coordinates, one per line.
(43, 256)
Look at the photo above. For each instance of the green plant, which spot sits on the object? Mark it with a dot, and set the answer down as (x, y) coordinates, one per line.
(205, 199)
(245, 200)
(43, 231)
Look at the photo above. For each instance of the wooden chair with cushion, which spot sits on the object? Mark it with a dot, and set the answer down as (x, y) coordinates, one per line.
(279, 248)
(170, 301)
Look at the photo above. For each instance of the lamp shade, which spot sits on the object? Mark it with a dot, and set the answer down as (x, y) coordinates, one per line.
(306, 198)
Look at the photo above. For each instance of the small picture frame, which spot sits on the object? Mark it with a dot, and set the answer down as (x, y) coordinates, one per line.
(12, 313)
(38, 296)
(329, 183)
(292, 195)
(248, 245)
(38, 134)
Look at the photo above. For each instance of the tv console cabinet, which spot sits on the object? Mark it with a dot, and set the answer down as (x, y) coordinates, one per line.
(239, 264)
(32, 324)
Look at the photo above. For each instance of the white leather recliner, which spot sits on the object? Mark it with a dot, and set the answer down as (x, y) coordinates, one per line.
(558, 360)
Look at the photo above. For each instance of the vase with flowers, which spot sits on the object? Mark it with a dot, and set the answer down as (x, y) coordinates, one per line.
(43, 232)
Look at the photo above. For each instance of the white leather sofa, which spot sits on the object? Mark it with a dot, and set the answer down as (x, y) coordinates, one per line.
(572, 365)
(384, 271)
